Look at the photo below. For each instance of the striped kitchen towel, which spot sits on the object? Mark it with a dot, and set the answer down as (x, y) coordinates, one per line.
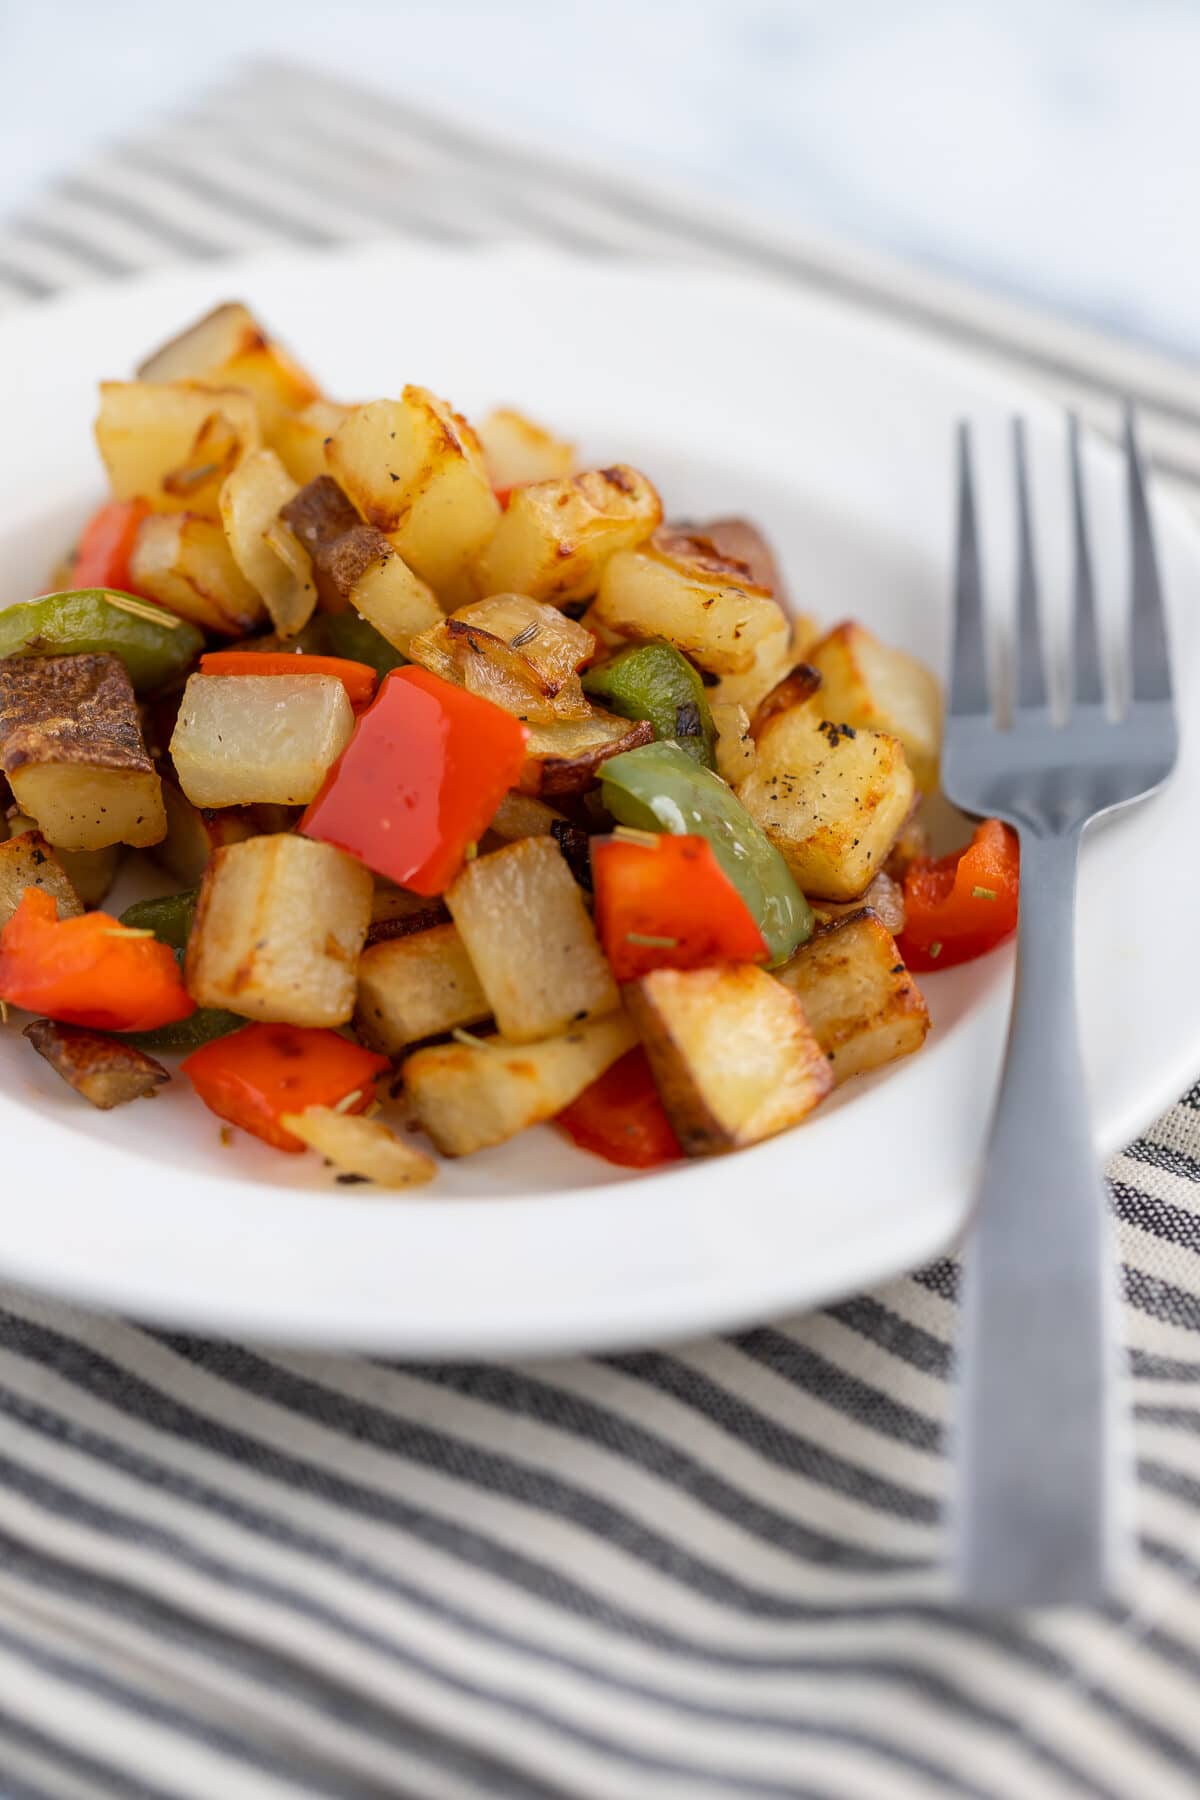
(229, 1572)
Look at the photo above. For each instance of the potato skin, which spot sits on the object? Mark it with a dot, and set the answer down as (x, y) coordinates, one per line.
(104, 1071)
(69, 709)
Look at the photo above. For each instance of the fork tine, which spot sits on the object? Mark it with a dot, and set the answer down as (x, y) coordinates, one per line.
(968, 657)
(1087, 675)
(1150, 663)
(1031, 675)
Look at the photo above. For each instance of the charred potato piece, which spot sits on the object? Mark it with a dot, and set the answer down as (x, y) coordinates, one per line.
(799, 687)
(185, 563)
(677, 588)
(830, 799)
(565, 758)
(264, 548)
(105, 1071)
(862, 1003)
(557, 536)
(242, 739)
(173, 445)
(866, 682)
(279, 927)
(355, 565)
(300, 439)
(414, 469)
(531, 940)
(884, 897)
(194, 832)
(71, 747)
(363, 1149)
(229, 345)
(26, 861)
(516, 450)
(416, 986)
(733, 1056)
(91, 873)
(470, 1096)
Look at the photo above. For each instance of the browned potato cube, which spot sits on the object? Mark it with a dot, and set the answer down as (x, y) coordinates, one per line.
(300, 439)
(885, 897)
(531, 940)
(773, 660)
(71, 747)
(185, 563)
(470, 1096)
(557, 536)
(516, 450)
(26, 861)
(194, 832)
(866, 682)
(173, 445)
(857, 995)
(266, 551)
(279, 927)
(363, 1149)
(733, 1055)
(415, 987)
(91, 873)
(229, 345)
(102, 1069)
(414, 469)
(355, 565)
(830, 799)
(677, 588)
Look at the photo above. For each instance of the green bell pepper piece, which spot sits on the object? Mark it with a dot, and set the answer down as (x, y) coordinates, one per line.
(349, 634)
(656, 681)
(659, 787)
(169, 917)
(154, 645)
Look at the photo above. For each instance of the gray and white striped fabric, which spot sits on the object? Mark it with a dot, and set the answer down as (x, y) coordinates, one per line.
(711, 1570)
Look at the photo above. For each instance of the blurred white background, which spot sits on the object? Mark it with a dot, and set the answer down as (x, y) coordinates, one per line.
(1049, 148)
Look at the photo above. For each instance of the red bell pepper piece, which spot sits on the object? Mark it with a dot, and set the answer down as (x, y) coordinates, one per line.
(88, 971)
(620, 1117)
(961, 905)
(419, 781)
(669, 905)
(106, 546)
(255, 1075)
(357, 678)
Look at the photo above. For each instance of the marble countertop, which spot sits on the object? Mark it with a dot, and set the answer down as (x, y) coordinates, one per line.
(1050, 151)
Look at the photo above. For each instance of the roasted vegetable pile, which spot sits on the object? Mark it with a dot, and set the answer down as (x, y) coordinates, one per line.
(483, 794)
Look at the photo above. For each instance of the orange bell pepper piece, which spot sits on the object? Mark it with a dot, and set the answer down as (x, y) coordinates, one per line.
(106, 546)
(88, 971)
(357, 678)
(962, 905)
(669, 905)
(255, 1075)
(419, 781)
(620, 1117)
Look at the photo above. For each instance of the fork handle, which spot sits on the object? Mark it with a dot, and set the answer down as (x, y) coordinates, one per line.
(1039, 1436)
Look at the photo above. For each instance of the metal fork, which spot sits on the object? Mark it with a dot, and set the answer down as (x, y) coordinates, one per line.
(1040, 1431)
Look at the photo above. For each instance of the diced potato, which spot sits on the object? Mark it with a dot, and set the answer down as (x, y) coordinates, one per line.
(173, 445)
(268, 554)
(830, 799)
(390, 597)
(193, 834)
(300, 439)
(773, 660)
(516, 450)
(279, 928)
(71, 746)
(519, 653)
(870, 683)
(395, 912)
(91, 873)
(676, 588)
(354, 565)
(565, 758)
(801, 686)
(531, 940)
(229, 345)
(556, 537)
(365, 1148)
(102, 1069)
(470, 1096)
(734, 1058)
(185, 563)
(244, 738)
(521, 816)
(27, 860)
(416, 987)
(735, 746)
(885, 897)
(415, 470)
(857, 995)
